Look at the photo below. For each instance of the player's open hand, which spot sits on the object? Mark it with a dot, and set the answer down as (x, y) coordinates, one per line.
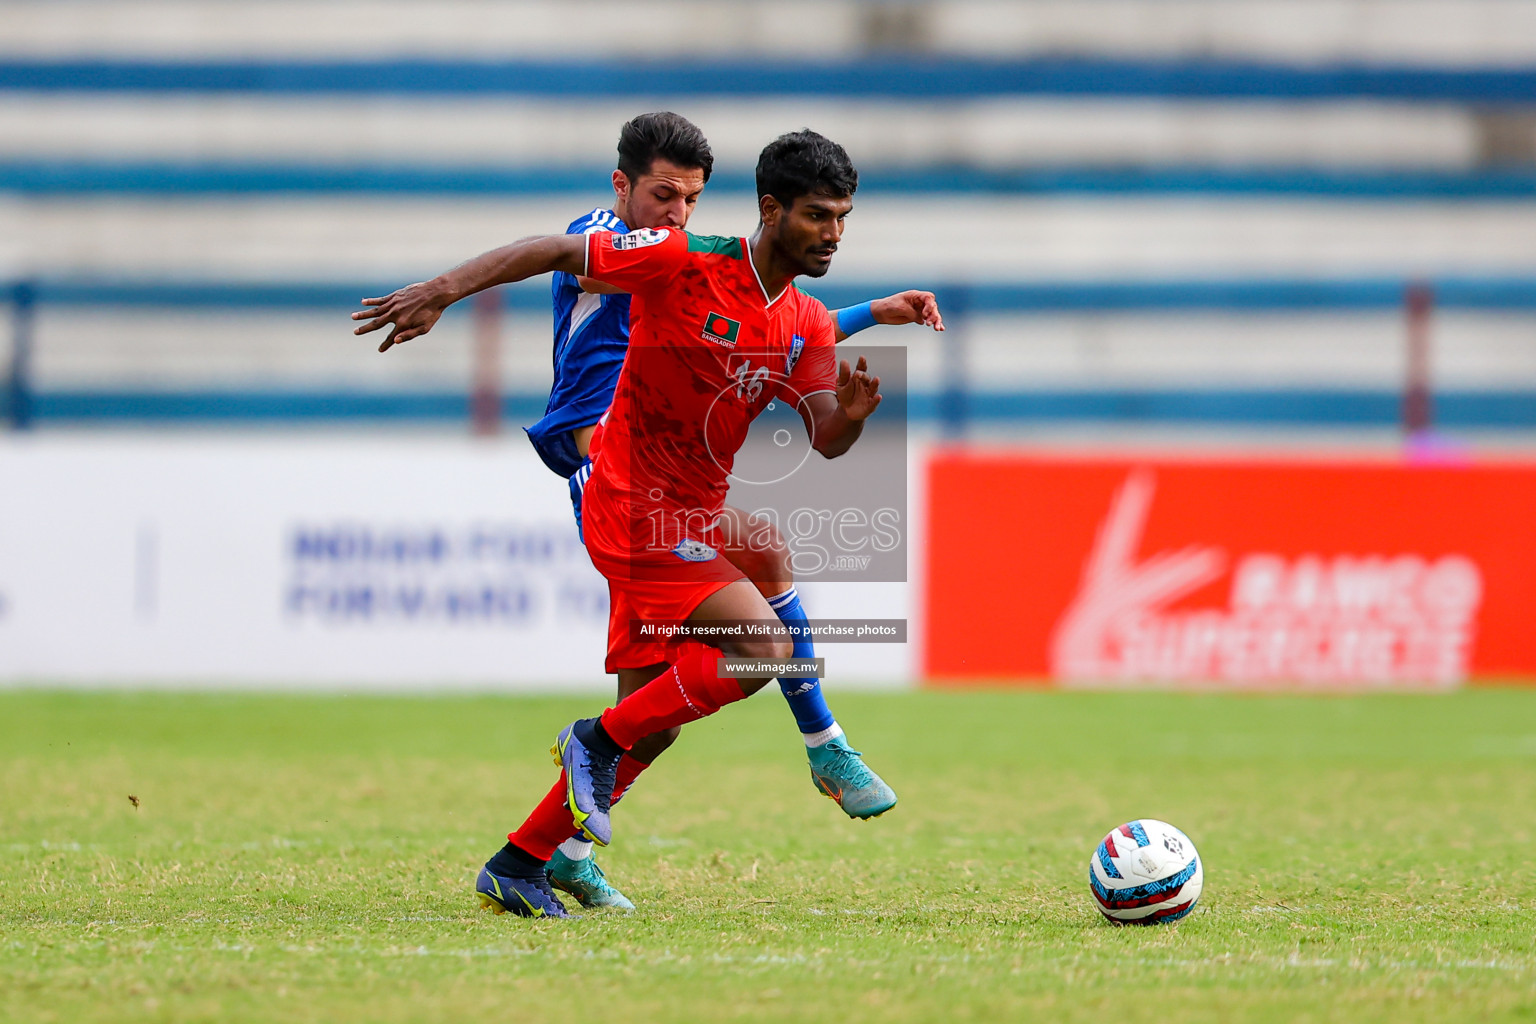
(412, 310)
(913, 307)
(857, 392)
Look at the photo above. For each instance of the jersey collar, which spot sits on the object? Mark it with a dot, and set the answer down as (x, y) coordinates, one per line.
(746, 248)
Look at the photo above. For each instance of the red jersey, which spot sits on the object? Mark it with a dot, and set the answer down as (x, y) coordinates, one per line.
(708, 351)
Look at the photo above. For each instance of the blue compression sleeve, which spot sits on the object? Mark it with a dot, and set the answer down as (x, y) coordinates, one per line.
(854, 319)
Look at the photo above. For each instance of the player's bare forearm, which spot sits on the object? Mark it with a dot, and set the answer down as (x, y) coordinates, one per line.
(525, 258)
(415, 309)
(836, 420)
(835, 433)
(909, 307)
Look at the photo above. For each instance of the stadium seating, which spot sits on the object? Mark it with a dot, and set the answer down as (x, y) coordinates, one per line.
(1171, 197)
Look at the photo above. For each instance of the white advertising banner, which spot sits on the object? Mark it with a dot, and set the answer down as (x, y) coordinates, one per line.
(290, 561)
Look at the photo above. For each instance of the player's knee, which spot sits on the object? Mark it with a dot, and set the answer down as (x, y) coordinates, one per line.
(769, 648)
(751, 686)
(632, 679)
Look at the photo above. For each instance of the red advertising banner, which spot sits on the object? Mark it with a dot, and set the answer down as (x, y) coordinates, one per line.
(1253, 573)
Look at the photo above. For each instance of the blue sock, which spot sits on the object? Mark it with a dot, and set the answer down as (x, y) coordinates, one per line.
(804, 695)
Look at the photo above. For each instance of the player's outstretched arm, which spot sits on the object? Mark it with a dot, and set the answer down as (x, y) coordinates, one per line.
(836, 421)
(414, 309)
(909, 307)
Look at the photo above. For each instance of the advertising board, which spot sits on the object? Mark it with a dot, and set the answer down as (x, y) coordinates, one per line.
(1254, 573)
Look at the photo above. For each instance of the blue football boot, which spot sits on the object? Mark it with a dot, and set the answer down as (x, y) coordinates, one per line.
(839, 772)
(589, 778)
(584, 880)
(525, 897)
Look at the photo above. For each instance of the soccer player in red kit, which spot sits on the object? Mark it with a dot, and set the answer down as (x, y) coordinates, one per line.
(717, 332)
(664, 162)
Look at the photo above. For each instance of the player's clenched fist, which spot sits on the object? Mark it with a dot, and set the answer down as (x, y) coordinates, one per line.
(412, 309)
(857, 392)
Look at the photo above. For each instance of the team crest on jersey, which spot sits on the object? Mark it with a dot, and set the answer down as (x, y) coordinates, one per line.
(640, 239)
(796, 346)
(721, 330)
(694, 551)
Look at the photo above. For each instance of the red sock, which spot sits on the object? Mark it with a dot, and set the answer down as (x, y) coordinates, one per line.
(551, 823)
(691, 689)
(688, 691)
(548, 826)
(625, 775)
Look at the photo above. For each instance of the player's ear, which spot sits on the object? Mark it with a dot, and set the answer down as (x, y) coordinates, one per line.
(768, 210)
(621, 186)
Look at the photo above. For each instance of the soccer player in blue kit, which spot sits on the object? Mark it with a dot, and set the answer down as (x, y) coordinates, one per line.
(664, 163)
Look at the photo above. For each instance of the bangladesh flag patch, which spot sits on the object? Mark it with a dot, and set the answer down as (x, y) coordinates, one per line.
(721, 330)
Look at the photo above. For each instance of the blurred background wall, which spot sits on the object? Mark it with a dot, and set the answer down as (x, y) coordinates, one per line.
(1166, 224)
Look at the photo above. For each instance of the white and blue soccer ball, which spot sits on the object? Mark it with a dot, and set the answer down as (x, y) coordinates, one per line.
(1145, 872)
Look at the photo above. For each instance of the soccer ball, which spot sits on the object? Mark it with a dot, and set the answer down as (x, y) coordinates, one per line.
(1145, 872)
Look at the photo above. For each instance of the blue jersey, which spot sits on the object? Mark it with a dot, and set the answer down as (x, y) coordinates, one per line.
(591, 337)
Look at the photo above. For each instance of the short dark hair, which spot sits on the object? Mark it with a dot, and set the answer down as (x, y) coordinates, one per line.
(803, 162)
(665, 135)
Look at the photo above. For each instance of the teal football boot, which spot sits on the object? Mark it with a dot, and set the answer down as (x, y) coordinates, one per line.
(840, 773)
(584, 880)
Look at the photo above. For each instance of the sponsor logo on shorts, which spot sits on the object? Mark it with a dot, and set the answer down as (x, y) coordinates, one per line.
(721, 330)
(640, 239)
(694, 551)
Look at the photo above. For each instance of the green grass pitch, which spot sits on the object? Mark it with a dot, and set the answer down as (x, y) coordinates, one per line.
(297, 858)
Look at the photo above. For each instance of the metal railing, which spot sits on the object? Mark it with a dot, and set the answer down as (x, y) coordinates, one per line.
(954, 401)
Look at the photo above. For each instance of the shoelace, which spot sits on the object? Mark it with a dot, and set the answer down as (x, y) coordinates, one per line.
(604, 777)
(593, 875)
(846, 765)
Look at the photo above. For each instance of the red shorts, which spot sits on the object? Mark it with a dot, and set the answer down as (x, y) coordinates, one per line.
(648, 584)
(623, 651)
